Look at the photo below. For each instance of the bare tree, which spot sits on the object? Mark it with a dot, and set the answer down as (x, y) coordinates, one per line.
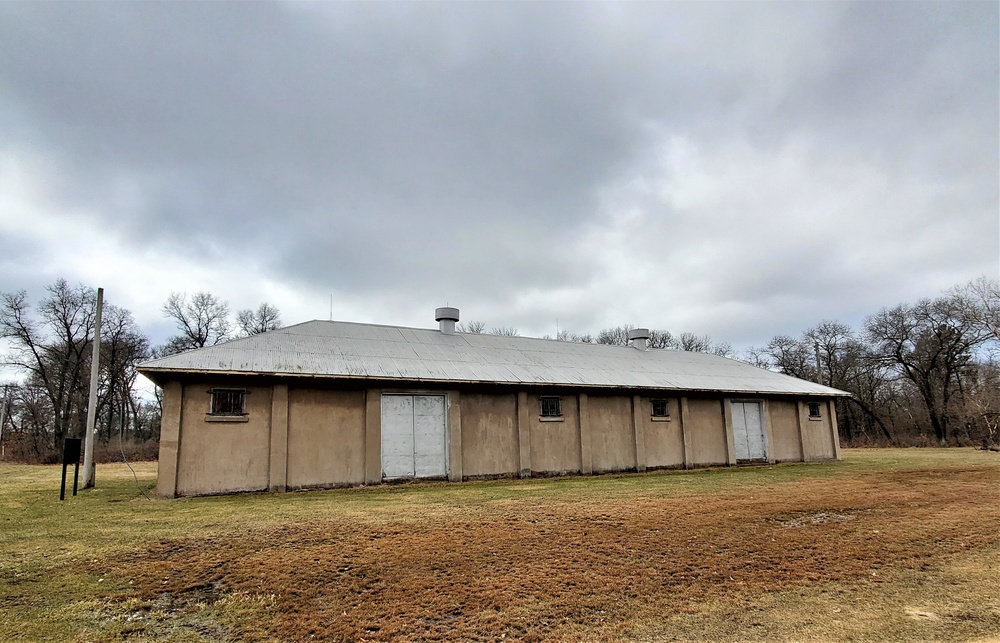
(847, 363)
(53, 348)
(694, 343)
(835, 342)
(617, 336)
(123, 347)
(203, 320)
(53, 351)
(981, 417)
(757, 356)
(253, 322)
(504, 331)
(930, 344)
(473, 327)
(28, 435)
(791, 357)
(661, 339)
(566, 336)
(723, 349)
(664, 339)
(981, 301)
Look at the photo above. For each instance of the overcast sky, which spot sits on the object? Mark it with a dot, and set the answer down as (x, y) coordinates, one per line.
(739, 170)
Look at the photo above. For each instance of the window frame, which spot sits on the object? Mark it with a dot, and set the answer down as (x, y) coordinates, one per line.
(547, 413)
(817, 407)
(659, 417)
(215, 403)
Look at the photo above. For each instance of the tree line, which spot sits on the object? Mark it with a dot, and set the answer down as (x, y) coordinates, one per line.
(616, 336)
(51, 344)
(918, 373)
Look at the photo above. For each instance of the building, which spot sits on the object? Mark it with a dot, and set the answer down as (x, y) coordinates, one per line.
(325, 404)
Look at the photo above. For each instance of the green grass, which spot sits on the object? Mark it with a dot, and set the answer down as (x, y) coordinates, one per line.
(40, 532)
(53, 586)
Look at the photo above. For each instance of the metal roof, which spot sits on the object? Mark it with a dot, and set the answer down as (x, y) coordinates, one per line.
(366, 351)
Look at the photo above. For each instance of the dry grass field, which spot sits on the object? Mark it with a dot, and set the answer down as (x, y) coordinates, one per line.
(888, 545)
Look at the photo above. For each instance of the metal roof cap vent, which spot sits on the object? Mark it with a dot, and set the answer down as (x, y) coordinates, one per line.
(447, 318)
(637, 338)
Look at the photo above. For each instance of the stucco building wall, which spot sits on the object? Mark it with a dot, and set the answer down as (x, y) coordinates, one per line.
(555, 442)
(819, 442)
(663, 437)
(706, 426)
(326, 441)
(612, 437)
(222, 455)
(300, 435)
(489, 434)
(786, 441)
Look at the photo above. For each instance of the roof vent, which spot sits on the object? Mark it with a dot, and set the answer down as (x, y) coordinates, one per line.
(637, 338)
(447, 317)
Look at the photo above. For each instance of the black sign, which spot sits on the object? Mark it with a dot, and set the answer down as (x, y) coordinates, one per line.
(71, 455)
(71, 451)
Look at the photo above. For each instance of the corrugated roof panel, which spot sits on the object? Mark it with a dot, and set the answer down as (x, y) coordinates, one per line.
(342, 349)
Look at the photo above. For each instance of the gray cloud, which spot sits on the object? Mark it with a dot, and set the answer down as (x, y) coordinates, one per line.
(486, 153)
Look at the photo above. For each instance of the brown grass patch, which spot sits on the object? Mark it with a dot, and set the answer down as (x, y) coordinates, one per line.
(624, 566)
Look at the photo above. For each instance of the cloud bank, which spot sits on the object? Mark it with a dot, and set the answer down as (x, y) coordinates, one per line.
(733, 169)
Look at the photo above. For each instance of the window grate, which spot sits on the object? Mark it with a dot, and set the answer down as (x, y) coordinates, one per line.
(814, 410)
(659, 409)
(228, 401)
(551, 407)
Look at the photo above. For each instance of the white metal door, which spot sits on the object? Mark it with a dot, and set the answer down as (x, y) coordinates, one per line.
(397, 436)
(748, 431)
(429, 440)
(414, 439)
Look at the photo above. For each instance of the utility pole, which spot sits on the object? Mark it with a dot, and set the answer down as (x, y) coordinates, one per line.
(3, 417)
(95, 367)
(819, 373)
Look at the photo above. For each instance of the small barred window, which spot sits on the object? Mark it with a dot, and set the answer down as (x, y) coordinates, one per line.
(227, 401)
(551, 407)
(659, 409)
(814, 410)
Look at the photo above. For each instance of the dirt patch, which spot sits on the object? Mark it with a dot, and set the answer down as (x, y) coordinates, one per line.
(802, 520)
(592, 569)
